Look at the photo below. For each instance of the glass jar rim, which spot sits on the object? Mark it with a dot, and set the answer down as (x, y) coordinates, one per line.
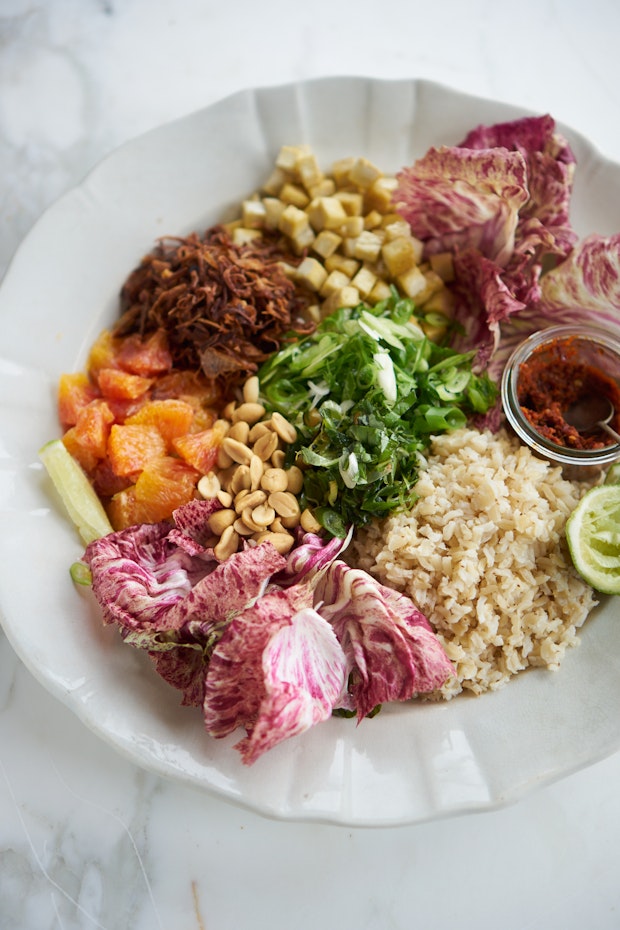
(512, 410)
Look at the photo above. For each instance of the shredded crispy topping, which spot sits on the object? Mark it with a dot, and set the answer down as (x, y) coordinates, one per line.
(224, 308)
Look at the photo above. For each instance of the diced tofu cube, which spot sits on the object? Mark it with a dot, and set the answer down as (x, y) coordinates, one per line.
(311, 274)
(274, 183)
(399, 255)
(352, 201)
(326, 243)
(289, 270)
(273, 211)
(443, 265)
(341, 169)
(338, 262)
(364, 280)
(308, 170)
(433, 284)
(412, 282)
(253, 214)
(335, 281)
(241, 235)
(367, 246)
(295, 194)
(396, 229)
(289, 155)
(380, 291)
(326, 213)
(353, 226)
(379, 195)
(389, 218)
(302, 240)
(292, 221)
(325, 188)
(344, 297)
(372, 220)
(441, 302)
(364, 173)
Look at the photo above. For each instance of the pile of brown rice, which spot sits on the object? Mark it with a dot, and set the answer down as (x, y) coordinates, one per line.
(483, 556)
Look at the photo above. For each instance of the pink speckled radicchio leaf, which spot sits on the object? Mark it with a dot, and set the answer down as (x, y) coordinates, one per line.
(392, 652)
(170, 596)
(277, 671)
(311, 555)
(455, 199)
(500, 201)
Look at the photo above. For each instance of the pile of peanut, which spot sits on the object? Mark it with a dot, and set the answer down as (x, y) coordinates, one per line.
(258, 495)
(344, 225)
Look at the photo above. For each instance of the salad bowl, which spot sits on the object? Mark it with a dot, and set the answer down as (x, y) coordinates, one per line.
(413, 762)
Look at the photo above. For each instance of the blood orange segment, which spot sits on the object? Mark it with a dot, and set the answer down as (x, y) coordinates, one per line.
(130, 448)
(148, 357)
(121, 385)
(200, 449)
(165, 484)
(75, 391)
(173, 418)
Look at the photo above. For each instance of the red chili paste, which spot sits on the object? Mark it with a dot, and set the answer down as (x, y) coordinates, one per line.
(551, 381)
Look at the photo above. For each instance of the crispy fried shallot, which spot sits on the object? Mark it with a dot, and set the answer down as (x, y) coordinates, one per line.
(224, 307)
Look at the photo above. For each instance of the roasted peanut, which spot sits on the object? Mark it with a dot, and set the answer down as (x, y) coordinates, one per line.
(308, 522)
(295, 479)
(249, 521)
(257, 468)
(228, 544)
(283, 542)
(258, 430)
(249, 499)
(278, 458)
(237, 451)
(285, 505)
(220, 520)
(241, 480)
(240, 430)
(225, 498)
(249, 413)
(209, 486)
(242, 528)
(266, 445)
(274, 479)
(285, 430)
(263, 515)
(251, 390)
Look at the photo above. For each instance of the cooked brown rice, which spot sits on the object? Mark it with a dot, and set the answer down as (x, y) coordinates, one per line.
(482, 554)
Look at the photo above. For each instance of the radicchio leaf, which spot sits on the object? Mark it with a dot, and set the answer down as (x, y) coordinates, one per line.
(392, 652)
(277, 670)
(500, 201)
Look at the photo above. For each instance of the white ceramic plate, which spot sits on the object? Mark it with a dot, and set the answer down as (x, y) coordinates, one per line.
(412, 763)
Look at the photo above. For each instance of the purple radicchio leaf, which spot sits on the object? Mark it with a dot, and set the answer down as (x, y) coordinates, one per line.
(277, 670)
(139, 575)
(391, 650)
(455, 199)
(311, 555)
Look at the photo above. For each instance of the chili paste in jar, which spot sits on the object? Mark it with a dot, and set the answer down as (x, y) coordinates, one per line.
(551, 381)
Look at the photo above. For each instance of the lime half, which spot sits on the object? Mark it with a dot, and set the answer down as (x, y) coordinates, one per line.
(613, 474)
(76, 491)
(593, 536)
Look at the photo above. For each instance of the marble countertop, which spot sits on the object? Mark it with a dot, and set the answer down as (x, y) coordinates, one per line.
(88, 840)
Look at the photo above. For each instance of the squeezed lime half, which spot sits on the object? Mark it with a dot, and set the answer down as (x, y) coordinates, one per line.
(593, 536)
(75, 490)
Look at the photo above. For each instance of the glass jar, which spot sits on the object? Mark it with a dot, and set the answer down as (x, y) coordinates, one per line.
(594, 347)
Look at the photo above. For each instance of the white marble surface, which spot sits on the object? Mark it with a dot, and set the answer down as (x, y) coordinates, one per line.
(86, 839)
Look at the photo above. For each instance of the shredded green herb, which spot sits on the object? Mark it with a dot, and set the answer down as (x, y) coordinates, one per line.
(366, 391)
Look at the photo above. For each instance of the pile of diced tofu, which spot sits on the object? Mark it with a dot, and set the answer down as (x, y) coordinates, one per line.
(343, 225)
